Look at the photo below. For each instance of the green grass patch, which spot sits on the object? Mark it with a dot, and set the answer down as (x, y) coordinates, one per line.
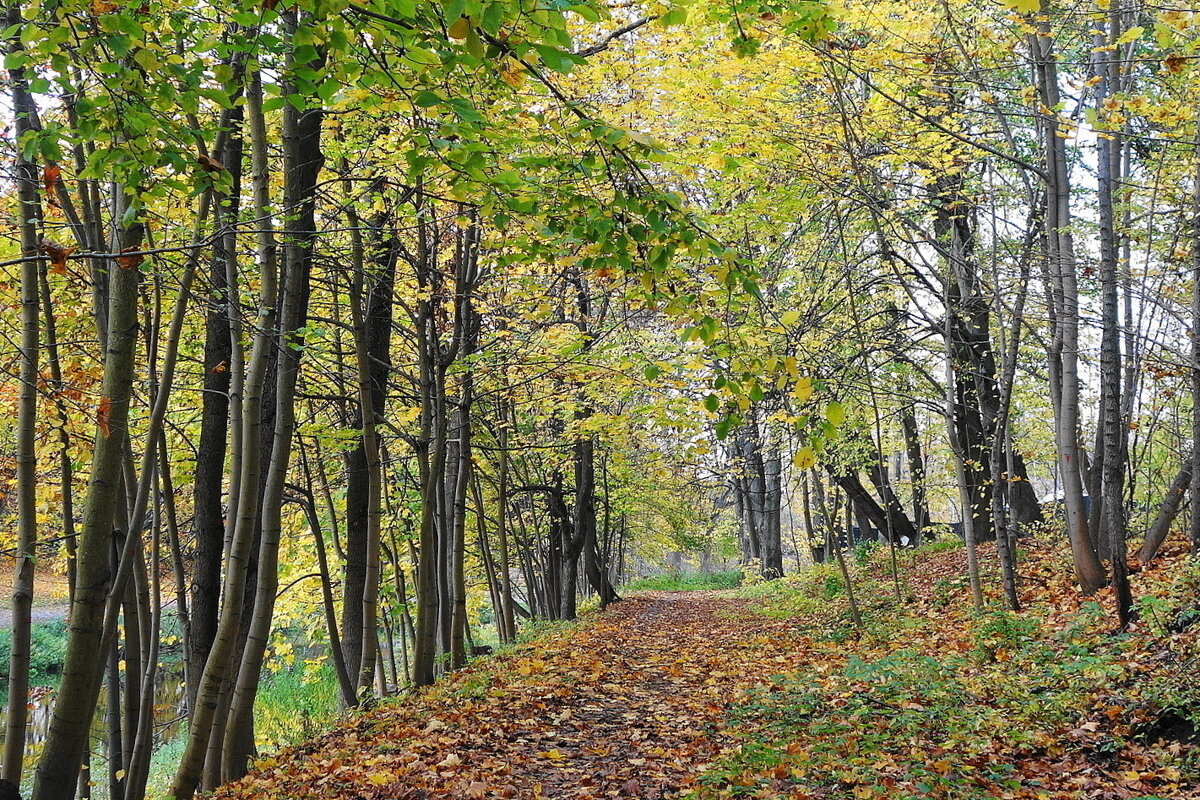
(48, 648)
(687, 581)
(907, 716)
(295, 704)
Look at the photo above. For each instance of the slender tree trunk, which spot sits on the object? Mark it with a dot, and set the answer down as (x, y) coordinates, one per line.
(916, 467)
(1168, 510)
(29, 212)
(208, 487)
(431, 456)
(303, 162)
(1064, 356)
(1109, 155)
(510, 625)
(244, 517)
(1194, 527)
(75, 703)
(345, 683)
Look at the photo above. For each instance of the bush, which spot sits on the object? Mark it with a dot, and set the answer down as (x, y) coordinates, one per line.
(48, 648)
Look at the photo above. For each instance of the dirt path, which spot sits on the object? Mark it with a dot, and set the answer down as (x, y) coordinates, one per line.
(50, 595)
(40, 613)
(630, 705)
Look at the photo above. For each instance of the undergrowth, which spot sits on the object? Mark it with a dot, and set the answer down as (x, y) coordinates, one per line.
(930, 699)
(296, 703)
(48, 648)
(687, 581)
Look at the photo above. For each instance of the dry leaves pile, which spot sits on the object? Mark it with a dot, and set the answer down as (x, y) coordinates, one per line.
(642, 701)
(629, 705)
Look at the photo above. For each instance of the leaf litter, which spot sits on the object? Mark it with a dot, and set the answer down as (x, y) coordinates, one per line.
(706, 695)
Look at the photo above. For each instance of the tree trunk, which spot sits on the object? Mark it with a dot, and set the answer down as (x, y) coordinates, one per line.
(66, 740)
(1064, 352)
(221, 323)
(1168, 510)
(303, 162)
(876, 514)
(1194, 527)
(916, 467)
(244, 517)
(1109, 155)
(29, 211)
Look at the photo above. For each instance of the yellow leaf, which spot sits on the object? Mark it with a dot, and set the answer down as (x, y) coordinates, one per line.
(835, 412)
(803, 390)
(1024, 6)
(460, 28)
(805, 458)
(380, 778)
(513, 75)
(1132, 34)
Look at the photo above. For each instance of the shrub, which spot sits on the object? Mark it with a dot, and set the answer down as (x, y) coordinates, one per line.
(48, 648)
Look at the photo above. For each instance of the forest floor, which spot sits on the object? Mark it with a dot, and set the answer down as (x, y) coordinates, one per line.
(50, 593)
(629, 704)
(767, 692)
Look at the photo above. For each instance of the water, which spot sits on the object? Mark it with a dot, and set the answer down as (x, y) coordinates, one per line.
(169, 712)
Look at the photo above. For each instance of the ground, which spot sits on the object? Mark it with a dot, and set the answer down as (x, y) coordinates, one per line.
(768, 693)
(50, 593)
(632, 704)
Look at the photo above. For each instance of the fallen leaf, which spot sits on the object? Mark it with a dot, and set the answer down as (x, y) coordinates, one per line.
(103, 416)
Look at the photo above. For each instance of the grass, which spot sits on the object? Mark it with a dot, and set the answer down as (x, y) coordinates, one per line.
(295, 704)
(687, 581)
(47, 650)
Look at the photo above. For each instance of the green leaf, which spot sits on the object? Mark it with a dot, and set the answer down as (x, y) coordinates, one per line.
(677, 15)
(16, 60)
(652, 371)
(557, 60)
(427, 99)
(727, 425)
(587, 12)
(835, 412)
(419, 55)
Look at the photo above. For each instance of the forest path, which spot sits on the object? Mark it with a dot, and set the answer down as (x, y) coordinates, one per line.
(630, 704)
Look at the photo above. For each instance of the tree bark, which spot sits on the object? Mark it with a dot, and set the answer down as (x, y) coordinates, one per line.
(303, 162)
(244, 517)
(29, 210)
(1168, 510)
(875, 513)
(1110, 147)
(75, 703)
(1064, 351)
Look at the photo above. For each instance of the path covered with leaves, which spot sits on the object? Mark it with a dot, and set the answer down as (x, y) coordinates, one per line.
(631, 704)
(708, 696)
